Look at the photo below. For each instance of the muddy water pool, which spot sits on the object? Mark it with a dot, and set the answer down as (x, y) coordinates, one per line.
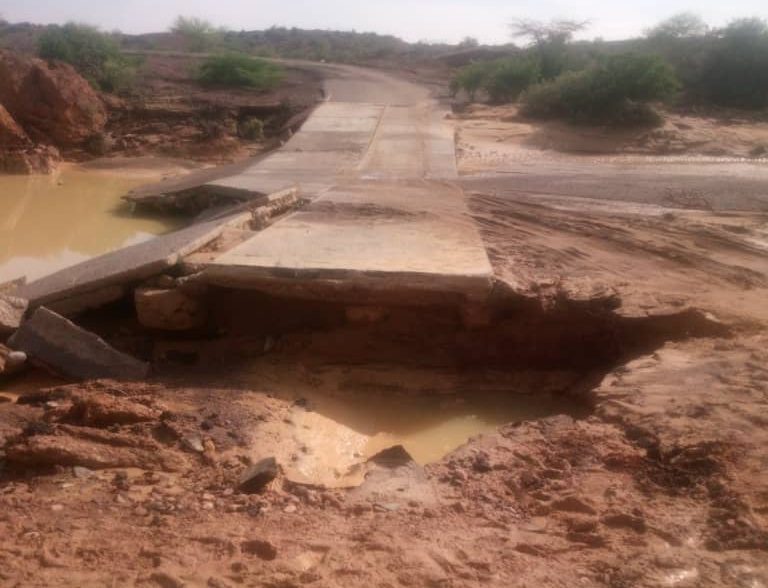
(51, 222)
(341, 416)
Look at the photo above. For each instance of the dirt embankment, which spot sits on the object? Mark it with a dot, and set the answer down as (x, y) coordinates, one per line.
(49, 112)
(44, 108)
(169, 113)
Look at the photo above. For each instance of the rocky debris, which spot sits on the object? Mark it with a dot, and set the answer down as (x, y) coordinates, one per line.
(11, 134)
(42, 159)
(103, 410)
(392, 480)
(256, 477)
(64, 347)
(12, 311)
(11, 361)
(50, 101)
(65, 445)
(169, 309)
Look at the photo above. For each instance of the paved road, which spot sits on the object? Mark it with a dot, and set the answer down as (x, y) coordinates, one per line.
(387, 221)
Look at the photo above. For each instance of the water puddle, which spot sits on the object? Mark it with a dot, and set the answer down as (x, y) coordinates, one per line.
(431, 426)
(51, 222)
(332, 428)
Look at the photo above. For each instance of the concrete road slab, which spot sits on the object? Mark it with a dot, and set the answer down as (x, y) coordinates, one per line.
(125, 266)
(367, 237)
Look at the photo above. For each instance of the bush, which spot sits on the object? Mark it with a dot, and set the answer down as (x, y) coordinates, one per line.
(503, 80)
(509, 78)
(199, 35)
(735, 71)
(471, 79)
(236, 70)
(251, 129)
(618, 91)
(95, 55)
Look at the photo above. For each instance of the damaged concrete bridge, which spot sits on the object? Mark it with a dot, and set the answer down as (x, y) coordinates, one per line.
(382, 220)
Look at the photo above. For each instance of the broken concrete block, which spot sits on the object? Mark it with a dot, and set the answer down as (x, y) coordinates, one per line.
(12, 311)
(169, 310)
(69, 350)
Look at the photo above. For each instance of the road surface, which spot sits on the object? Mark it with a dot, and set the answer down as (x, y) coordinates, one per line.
(386, 221)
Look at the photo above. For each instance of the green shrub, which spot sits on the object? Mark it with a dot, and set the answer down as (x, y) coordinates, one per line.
(509, 78)
(503, 80)
(471, 79)
(735, 71)
(251, 129)
(95, 55)
(617, 90)
(236, 70)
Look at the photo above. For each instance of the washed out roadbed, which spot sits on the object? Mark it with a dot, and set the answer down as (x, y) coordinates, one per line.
(663, 484)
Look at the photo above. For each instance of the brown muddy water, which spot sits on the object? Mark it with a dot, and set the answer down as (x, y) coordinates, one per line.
(51, 222)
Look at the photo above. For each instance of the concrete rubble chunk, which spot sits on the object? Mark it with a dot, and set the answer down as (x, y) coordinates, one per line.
(62, 346)
(12, 311)
(256, 477)
(169, 310)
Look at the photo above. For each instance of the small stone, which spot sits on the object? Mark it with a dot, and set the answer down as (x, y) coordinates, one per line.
(260, 548)
(82, 473)
(256, 477)
(482, 463)
(193, 443)
(57, 507)
(573, 504)
(290, 509)
(207, 505)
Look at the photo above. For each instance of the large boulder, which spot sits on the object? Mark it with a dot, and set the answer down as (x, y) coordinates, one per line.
(51, 101)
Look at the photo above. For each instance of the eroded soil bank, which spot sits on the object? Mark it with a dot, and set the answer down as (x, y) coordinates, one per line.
(652, 475)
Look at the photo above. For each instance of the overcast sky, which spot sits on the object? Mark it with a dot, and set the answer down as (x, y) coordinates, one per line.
(413, 20)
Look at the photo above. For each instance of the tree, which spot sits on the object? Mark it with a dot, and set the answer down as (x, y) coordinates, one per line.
(549, 40)
(735, 71)
(469, 43)
(679, 26)
(199, 34)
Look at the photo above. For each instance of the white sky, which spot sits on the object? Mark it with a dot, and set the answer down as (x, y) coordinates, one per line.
(413, 20)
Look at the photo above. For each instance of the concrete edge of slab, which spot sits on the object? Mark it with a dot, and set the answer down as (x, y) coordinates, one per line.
(353, 286)
(74, 289)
